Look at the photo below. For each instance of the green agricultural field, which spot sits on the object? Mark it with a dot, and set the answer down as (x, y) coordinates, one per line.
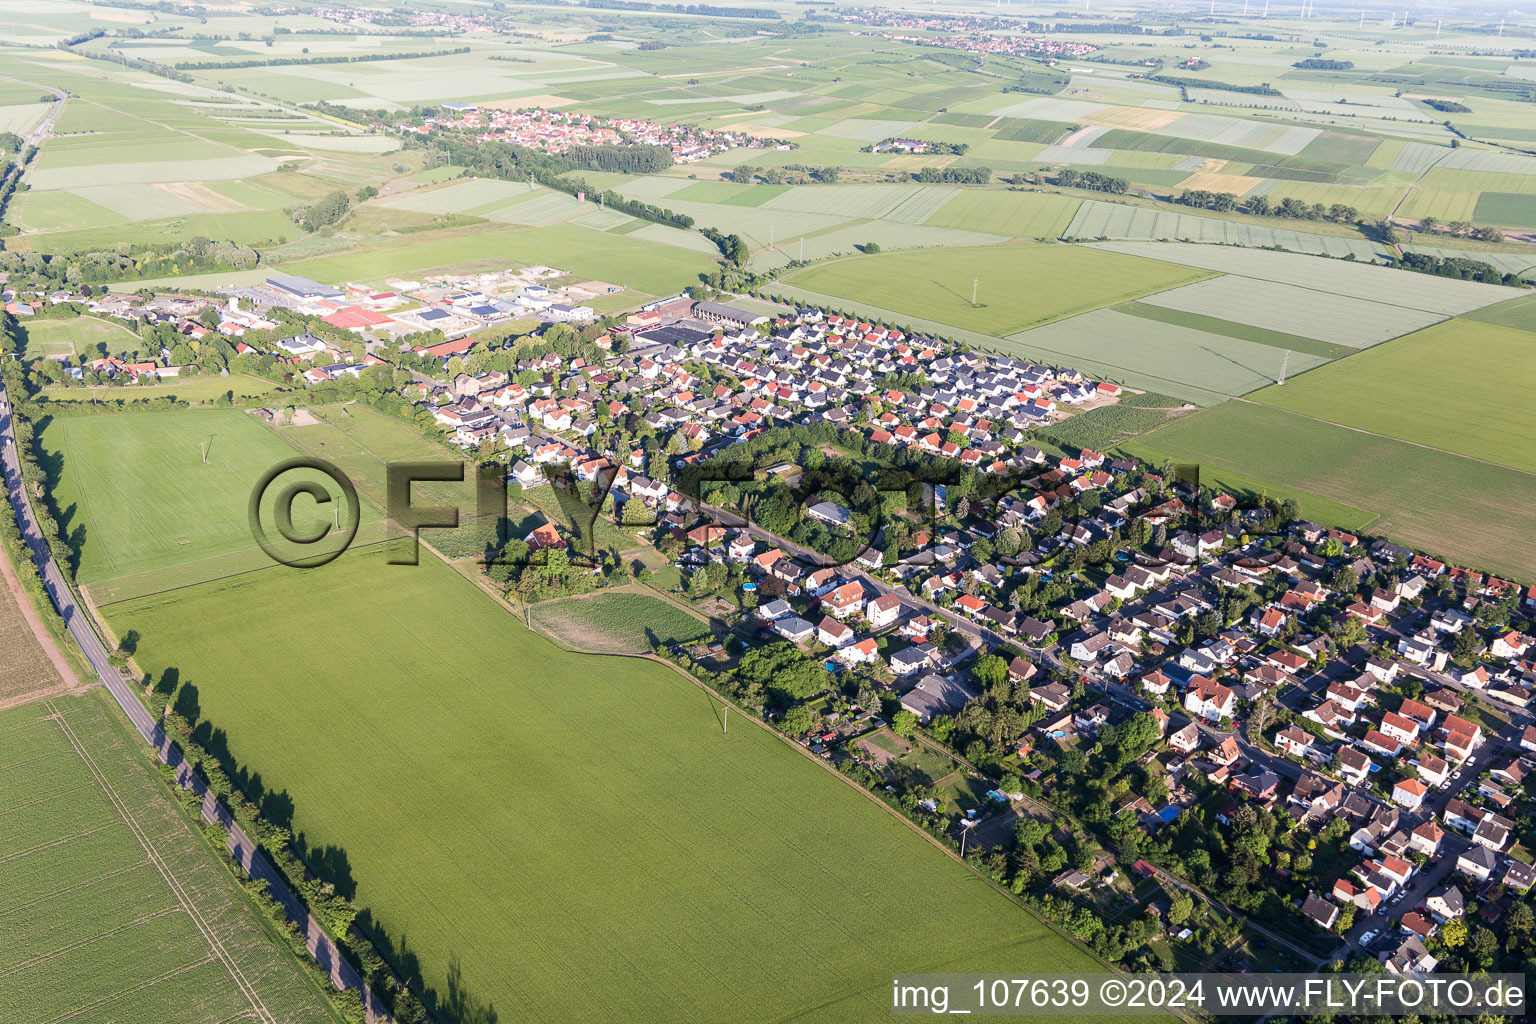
(1465, 511)
(1292, 309)
(1247, 332)
(1470, 412)
(617, 623)
(1519, 313)
(1023, 214)
(1335, 277)
(511, 772)
(82, 335)
(1018, 286)
(621, 259)
(96, 930)
(1506, 209)
(1102, 429)
(1172, 358)
(134, 495)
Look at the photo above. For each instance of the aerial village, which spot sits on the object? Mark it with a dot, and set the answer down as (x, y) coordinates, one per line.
(1360, 708)
(553, 131)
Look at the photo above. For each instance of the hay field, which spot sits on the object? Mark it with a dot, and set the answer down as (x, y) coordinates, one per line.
(1021, 214)
(617, 623)
(137, 496)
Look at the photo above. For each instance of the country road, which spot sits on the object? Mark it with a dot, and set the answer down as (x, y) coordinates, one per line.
(321, 947)
(44, 128)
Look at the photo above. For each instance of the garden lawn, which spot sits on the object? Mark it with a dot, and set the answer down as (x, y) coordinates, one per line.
(1466, 512)
(617, 623)
(1018, 286)
(91, 925)
(1449, 386)
(531, 816)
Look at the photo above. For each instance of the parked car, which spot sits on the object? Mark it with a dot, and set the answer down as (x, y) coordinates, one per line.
(1368, 937)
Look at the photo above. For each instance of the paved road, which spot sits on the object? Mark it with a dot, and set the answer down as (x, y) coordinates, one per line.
(240, 846)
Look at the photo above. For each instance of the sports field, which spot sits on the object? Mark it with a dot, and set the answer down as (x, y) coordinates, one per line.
(1469, 408)
(536, 816)
(112, 906)
(84, 335)
(1017, 286)
(617, 623)
(134, 494)
(1465, 511)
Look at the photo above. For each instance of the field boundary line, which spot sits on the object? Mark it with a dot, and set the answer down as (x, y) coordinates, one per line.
(214, 942)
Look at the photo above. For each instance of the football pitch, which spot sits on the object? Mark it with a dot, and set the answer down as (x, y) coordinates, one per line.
(98, 929)
(532, 815)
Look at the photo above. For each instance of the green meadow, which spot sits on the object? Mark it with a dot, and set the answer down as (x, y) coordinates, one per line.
(134, 495)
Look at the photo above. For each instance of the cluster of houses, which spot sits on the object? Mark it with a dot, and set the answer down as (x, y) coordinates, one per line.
(1354, 744)
(555, 131)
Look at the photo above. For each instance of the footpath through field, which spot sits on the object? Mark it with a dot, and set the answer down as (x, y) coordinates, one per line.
(325, 952)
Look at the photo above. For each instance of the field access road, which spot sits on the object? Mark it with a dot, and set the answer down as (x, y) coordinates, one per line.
(342, 974)
(44, 128)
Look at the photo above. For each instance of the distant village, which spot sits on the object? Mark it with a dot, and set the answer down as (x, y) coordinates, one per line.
(998, 36)
(1371, 695)
(553, 131)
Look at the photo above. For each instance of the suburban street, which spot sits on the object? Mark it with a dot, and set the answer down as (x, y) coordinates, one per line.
(321, 947)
